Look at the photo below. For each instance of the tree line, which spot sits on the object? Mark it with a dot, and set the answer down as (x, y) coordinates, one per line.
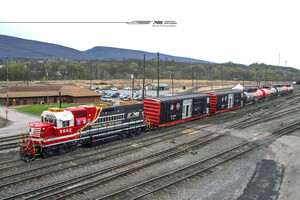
(33, 70)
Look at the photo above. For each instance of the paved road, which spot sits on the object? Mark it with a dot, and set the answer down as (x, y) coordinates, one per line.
(16, 121)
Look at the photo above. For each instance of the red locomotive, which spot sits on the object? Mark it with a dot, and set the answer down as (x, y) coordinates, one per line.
(61, 130)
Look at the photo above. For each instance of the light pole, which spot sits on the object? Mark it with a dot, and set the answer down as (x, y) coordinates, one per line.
(211, 83)
(132, 76)
(27, 74)
(157, 74)
(144, 69)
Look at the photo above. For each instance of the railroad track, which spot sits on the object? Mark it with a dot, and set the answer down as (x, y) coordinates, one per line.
(264, 119)
(9, 142)
(275, 110)
(75, 185)
(10, 138)
(84, 160)
(163, 181)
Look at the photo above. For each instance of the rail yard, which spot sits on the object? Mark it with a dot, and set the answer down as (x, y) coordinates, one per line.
(250, 152)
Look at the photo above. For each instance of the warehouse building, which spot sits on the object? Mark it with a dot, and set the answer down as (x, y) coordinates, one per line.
(28, 95)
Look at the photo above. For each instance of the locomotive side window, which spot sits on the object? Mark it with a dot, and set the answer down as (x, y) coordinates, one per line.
(65, 123)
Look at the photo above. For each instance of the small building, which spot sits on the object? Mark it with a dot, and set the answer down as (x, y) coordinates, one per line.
(28, 95)
(162, 86)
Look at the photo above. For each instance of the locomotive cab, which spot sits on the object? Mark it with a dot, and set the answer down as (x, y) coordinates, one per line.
(50, 136)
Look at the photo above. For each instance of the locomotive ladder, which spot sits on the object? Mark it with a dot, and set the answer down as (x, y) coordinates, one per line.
(148, 123)
(37, 149)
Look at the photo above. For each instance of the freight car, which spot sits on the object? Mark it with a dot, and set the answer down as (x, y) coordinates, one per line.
(258, 94)
(61, 130)
(168, 111)
(225, 100)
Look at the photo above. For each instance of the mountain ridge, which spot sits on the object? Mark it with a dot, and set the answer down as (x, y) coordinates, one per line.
(14, 48)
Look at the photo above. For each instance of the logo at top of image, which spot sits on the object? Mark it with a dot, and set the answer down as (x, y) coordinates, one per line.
(158, 22)
(155, 23)
(164, 24)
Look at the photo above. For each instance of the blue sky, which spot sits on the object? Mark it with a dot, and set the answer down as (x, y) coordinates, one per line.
(219, 31)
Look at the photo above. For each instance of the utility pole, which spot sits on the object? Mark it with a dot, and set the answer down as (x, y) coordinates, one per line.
(27, 74)
(59, 93)
(257, 76)
(172, 81)
(47, 87)
(192, 76)
(211, 84)
(197, 76)
(157, 74)
(132, 76)
(5, 62)
(266, 82)
(91, 77)
(144, 70)
(7, 82)
(222, 77)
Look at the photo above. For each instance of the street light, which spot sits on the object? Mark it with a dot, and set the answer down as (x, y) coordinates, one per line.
(144, 76)
(132, 76)
(157, 74)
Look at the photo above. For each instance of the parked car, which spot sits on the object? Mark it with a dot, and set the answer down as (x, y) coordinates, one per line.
(103, 92)
(127, 88)
(93, 88)
(114, 89)
(126, 97)
(98, 88)
(138, 98)
(106, 99)
(129, 97)
(122, 95)
(115, 95)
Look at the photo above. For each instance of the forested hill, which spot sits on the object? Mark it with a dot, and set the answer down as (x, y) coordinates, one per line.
(110, 53)
(14, 48)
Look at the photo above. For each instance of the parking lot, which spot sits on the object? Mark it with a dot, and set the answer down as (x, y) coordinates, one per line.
(149, 94)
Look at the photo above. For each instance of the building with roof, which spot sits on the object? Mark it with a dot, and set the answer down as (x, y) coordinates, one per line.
(28, 95)
(162, 86)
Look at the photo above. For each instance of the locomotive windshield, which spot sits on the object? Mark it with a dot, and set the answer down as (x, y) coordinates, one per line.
(49, 119)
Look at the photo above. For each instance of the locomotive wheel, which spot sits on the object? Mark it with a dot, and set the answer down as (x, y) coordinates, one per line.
(122, 136)
(132, 133)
